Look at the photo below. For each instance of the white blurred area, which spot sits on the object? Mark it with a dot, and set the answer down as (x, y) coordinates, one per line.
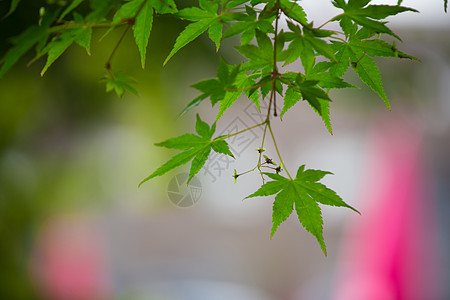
(431, 13)
(143, 247)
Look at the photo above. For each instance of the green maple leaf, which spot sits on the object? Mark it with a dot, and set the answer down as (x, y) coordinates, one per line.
(142, 28)
(204, 18)
(291, 97)
(218, 88)
(231, 81)
(299, 47)
(343, 53)
(364, 66)
(367, 70)
(305, 45)
(119, 83)
(319, 45)
(377, 47)
(69, 8)
(303, 193)
(233, 3)
(232, 95)
(309, 90)
(293, 11)
(142, 11)
(327, 79)
(247, 24)
(59, 44)
(348, 26)
(369, 73)
(368, 16)
(261, 55)
(100, 9)
(33, 35)
(196, 148)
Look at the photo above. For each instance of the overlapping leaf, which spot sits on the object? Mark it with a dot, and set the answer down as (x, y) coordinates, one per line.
(368, 16)
(305, 45)
(100, 9)
(70, 7)
(309, 90)
(34, 36)
(232, 95)
(327, 79)
(119, 83)
(141, 13)
(364, 66)
(293, 11)
(204, 18)
(231, 81)
(260, 56)
(247, 24)
(217, 88)
(60, 43)
(377, 47)
(303, 193)
(196, 148)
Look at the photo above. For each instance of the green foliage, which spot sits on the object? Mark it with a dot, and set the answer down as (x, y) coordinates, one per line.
(368, 15)
(196, 148)
(60, 43)
(119, 83)
(302, 193)
(12, 7)
(139, 14)
(34, 35)
(325, 56)
(205, 18)
(69, 8)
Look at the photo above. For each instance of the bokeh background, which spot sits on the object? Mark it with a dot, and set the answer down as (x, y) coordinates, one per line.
(74, 224)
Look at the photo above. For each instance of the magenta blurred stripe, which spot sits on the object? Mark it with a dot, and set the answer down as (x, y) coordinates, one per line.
(389, 252)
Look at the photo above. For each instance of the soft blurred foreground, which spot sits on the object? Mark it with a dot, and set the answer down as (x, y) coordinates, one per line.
(75, 226)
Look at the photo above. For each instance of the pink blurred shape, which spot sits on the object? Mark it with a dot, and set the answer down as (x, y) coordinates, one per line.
(69, 262)
(389, 252)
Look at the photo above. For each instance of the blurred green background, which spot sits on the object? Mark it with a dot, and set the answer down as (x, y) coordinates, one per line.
(74, 225)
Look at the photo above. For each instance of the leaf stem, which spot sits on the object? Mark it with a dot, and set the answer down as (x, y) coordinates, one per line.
(337, 38)
(330, 20)
(72, 25)
(237, 132)
(258, 165)
(248, 87)
(108, 62)
(270, 105)
(275, 69)
(278, 151)
(130, 22)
